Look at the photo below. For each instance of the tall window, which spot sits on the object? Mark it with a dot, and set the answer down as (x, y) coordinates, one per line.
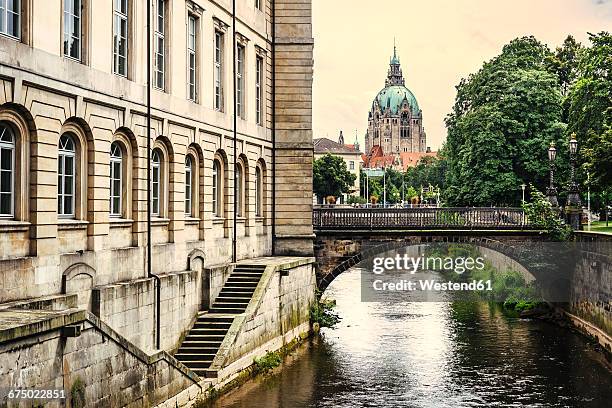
(258, 191)
(160, 44)
(10, 18)
(351, 165)
(116, 184)
(216, 188)
(72, 28)
(188, 185)
(239, 193)
(7, 170)
(259, 90)
(66, 176)
(258, 4)
(155, 183)
(191, 58)
(120, 35)
(240, 81)
(218, 74)
(405, 126)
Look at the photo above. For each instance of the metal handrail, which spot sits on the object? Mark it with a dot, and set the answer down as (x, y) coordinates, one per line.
(420, 218)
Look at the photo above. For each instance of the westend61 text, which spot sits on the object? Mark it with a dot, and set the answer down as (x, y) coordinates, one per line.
(432, 285)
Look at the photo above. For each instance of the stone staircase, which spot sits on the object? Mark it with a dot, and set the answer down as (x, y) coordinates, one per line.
(199, 348)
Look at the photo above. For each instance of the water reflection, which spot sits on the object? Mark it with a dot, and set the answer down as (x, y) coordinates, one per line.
(443, 354)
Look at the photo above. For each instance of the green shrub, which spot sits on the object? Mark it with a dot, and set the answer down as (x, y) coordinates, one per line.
(322, 313)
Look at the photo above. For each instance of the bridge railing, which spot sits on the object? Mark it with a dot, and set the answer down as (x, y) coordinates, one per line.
(420, 218)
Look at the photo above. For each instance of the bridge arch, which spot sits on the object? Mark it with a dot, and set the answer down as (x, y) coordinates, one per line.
(337, 252)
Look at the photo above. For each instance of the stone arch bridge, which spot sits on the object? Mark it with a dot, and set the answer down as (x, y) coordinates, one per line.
(346, 237)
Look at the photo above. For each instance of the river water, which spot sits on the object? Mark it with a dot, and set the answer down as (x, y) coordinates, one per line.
(444, 354)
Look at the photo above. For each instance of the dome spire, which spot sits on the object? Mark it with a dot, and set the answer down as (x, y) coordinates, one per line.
(395, 76)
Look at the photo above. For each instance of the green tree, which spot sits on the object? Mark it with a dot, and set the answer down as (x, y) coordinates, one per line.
(590, 111)
(331, 177)
(503, 120)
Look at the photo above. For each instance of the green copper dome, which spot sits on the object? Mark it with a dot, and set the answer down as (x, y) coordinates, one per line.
(393, 96)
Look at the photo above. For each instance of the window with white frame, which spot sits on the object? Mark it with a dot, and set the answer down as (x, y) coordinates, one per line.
(73, 28)
(240, 51)
(216, 188)
(160, 45)
(218, 72)
(188, 186)
(10, 18)
(239, 190)
(155, 183)
(192, 58)
(259, 90)
(66, 175)
(120, 37)
(7, 171)
(258, 191)
(351, 165)
(116, 179)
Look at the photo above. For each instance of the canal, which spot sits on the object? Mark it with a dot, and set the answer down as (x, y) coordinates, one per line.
(443, 354)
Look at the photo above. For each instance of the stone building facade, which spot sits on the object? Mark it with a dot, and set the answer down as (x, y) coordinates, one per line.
(73, 137)
(395, 121)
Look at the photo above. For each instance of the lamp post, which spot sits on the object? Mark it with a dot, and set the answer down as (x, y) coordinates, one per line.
(523, 186)
(551, 191)
(573, 204)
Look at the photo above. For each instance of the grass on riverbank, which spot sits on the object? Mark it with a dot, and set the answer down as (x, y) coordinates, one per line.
(600, 226)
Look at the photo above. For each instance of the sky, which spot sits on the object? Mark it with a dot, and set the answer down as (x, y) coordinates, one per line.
(438, 42)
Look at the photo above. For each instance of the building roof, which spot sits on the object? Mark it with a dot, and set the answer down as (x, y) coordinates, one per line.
(405, 160)
(393, 97)
(324, 145)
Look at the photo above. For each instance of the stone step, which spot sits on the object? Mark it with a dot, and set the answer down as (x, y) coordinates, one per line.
(197, 362)
(222, 305)
(233, 278)
(212, 325)
(208, 330)
(198, 350)
(241, 284)
(227, 310)
(245, 273)
(207, 317)
(230, 293)
(198, 337)
(232, 299)
(250, 267)
(201, 344)
(245, 289)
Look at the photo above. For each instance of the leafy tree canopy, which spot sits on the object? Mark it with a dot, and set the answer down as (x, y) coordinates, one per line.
(504, 118)
(331, 176)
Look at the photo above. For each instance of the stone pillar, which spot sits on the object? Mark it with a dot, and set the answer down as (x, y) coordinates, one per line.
(293, 107)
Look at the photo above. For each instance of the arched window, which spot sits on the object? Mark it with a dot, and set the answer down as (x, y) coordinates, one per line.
(188, 186)
(7, 171)
(258, 192)
(66, 175)
(239, 190)
(156, 183)
(116, 179)
(216, 188)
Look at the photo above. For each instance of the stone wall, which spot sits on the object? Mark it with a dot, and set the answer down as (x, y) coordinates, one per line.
(102, 367)
(129, 308)
(592, 287)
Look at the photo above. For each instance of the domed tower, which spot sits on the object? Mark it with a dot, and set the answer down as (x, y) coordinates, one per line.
(395, 121)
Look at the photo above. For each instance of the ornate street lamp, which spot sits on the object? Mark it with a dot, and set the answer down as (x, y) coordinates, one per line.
(573, 203)
(523, 187)
(551, 191)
